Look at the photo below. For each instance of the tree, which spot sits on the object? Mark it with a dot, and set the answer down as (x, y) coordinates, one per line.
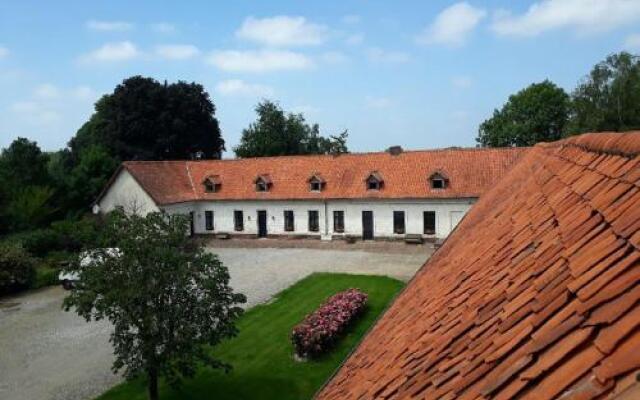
(276, 133)
(146, 120)
(535, 114)
(23, 164)
(608, 99)
(89, 176)
(167, 298)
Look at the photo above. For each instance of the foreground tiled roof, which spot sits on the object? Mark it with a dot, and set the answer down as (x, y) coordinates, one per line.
(536, 295)
(471, 172)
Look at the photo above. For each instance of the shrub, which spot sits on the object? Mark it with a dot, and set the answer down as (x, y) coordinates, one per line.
(320, 330)
(42, 241)
(17, 268)
(45, 276)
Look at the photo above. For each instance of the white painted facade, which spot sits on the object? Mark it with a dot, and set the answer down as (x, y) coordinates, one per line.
(448, 214)
(126, 192)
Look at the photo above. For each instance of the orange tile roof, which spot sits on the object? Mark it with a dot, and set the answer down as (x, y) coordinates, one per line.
(536, 294)
(471, 172)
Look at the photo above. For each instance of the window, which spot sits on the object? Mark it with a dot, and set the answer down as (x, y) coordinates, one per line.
(288, 221)
(373, 184)
(211, 184)
(338, 221)
(438, 180)
(437, 183)
(261, 186)
(315, 186)
(314, 221)
(374, 181)
(208, 219)
(398, 222)
(238, 220)
(429, 218)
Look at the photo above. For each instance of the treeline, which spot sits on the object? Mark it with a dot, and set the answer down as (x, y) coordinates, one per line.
(607, 99)
(142, 119)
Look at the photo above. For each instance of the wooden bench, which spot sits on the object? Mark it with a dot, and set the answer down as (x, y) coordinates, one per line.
(413, 238)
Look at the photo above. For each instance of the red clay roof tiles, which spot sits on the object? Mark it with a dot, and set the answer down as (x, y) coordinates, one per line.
(535, 295)
(470, 171)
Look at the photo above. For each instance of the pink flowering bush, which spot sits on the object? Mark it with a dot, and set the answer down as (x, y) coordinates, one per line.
(321, 329)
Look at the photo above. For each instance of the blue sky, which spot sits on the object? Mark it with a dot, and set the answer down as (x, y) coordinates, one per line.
(415, 73)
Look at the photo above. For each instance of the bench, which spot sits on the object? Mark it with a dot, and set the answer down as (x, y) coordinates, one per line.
(223, 236)
(413, 238)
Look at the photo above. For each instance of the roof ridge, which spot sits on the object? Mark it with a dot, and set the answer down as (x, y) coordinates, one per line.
(613, 143)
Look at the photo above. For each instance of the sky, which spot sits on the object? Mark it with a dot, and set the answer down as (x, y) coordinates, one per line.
(412, 73)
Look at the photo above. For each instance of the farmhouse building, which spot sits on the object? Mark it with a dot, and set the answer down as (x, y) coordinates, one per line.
(369, 195)
(536, 295)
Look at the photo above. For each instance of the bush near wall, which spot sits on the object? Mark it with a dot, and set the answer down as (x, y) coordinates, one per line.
(320, 330)
(17, 268)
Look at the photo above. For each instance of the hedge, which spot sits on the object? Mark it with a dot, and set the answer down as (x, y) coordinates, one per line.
(320, 330)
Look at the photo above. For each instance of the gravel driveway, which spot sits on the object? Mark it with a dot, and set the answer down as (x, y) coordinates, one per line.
(47, 354)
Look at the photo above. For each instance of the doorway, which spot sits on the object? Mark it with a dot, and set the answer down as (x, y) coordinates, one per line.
(192, 229)
(367, 225)
(262, 223)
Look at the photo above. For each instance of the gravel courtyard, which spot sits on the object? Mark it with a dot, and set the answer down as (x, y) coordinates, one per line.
(48, 354)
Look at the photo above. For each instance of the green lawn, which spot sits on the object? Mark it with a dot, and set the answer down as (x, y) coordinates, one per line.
(262, 353)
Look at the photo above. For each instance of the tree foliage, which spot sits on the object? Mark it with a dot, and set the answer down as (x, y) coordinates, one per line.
(608, 99)
(144, 119)
(276, 133)
(535, 114)
(167, 298)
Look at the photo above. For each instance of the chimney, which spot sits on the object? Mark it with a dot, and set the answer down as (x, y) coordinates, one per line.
(394, 150)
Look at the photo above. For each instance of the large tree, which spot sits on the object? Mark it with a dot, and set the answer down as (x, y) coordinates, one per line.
(534, 114)
(168, 299)
(276, 133)
(144, 119)
(608, 99)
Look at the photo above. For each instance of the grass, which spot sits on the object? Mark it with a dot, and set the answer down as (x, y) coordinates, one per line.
(262, 354)
(45, 276)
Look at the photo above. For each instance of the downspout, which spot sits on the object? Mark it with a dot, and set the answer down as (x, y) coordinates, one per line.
(326, 218)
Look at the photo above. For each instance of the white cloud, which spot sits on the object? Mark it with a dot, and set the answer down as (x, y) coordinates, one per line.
(282, 31)
(238, 87)
(83, 93)
(47, 91)
(259, 60)
(333, 57)
(378, 55)
(112, 52)
(163, 27)
(584, 16)
(461, 82)
(632, 42)
(37, 114)
(109, 26)
(452, 26)
(3, 52)
(354, 39)
(377, 102)
(176, 51)
(351, 19)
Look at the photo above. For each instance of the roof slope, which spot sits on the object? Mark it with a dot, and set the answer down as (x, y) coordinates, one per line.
(536, 294)
(471, 172)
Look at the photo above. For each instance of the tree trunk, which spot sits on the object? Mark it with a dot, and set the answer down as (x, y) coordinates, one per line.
(153, 384)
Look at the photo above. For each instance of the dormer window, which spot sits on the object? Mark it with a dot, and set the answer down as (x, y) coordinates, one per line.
(263, 183)
(211, 184)
(316, 183)
(374, 181)
(438, 180)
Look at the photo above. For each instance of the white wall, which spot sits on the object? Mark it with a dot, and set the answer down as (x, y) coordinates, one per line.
(125, 192)
(448, 213)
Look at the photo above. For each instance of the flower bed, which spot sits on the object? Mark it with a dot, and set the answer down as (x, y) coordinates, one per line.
(320, 330)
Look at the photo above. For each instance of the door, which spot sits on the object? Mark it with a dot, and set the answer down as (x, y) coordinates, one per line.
(456, 217)
(367, 225)
(262, 223)
(191, 223)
